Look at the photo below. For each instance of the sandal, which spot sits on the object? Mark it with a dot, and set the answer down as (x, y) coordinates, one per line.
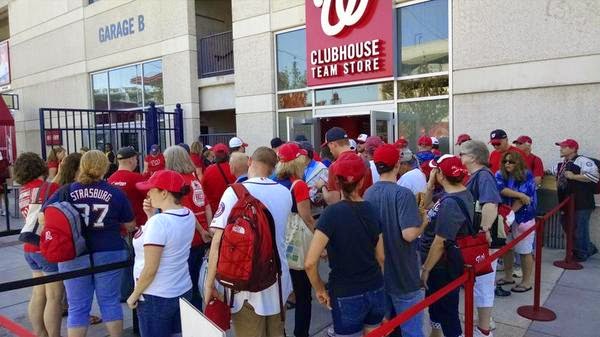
(95, 320)
(290, 305)
(520, 289)
(503, 282)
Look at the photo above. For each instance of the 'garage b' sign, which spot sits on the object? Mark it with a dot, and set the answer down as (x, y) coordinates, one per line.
(348, 40)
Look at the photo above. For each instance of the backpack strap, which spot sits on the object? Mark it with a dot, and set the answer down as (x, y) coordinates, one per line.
(223, 174)
(240, 190)
(463, 208)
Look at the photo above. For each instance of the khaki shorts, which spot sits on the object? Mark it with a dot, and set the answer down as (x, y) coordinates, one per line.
(246, 323)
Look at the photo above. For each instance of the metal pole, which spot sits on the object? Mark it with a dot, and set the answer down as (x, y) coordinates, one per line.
(469, 289)
(178, 124)
(5, 187)
(569, 262)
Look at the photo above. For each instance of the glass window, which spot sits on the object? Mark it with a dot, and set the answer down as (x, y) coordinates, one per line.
(100, 91)
(423, 33)
(355, 94)
(291, 100)
(429, 118)
(153, 82)
(291, 60)
(300, 125)
(423, 87)
(125, 88)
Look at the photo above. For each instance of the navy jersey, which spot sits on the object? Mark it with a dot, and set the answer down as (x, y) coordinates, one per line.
(103, 208)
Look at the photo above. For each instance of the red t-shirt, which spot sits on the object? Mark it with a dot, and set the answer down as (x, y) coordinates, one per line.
(368, 179)
(496, 157)
(215, 184)
(155, 163)
(53, 164)
(300, 192)
(126, 181)
(197, 160)
(26, 194)
(537, 166)
(196, 202)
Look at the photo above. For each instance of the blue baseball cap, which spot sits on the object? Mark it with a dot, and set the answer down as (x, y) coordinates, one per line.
(333, 134)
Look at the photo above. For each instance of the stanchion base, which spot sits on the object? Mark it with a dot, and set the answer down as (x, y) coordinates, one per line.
(573, 265)
(542, 314)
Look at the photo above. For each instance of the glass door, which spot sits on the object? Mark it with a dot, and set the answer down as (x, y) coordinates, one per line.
(302, 126)
(383, 125)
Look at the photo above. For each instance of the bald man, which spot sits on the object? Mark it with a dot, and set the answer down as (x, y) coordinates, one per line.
(238, 163)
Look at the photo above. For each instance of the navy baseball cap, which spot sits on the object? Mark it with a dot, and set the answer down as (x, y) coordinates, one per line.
(333, 134)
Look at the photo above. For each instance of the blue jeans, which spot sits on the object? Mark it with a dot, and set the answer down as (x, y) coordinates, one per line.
(160, 316)
(352, 313)
(582, 233)
(444, 313)
(396, 304)
(107, 286)
(37, 262)
(194, 264)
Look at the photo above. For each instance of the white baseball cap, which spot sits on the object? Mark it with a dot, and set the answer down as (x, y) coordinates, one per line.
(236, 142)
(362, 138)
(435, 141)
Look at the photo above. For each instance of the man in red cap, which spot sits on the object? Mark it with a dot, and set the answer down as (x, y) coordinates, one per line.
(401, 143)
(462, 138)
(534, 162)
(424, 146)
(499, 140)
(401, 224)
(336, 139)
(371, 144)
(217, 176)
(578, 175)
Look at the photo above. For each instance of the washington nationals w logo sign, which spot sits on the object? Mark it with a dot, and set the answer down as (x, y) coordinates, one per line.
(347, 15)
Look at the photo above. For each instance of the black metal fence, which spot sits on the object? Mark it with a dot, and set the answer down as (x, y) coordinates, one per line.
(215, 55)
(93, 129)
(214, 138)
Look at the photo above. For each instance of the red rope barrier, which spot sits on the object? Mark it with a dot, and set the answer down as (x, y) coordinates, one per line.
(468, 279)
(15, 328)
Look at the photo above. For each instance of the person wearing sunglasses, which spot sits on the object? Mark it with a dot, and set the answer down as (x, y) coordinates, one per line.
(517, 188)
(499, 140)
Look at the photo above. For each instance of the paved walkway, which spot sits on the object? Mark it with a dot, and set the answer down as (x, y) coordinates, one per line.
(573, 295)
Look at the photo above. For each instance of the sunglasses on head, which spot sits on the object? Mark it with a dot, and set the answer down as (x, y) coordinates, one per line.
(512, 162)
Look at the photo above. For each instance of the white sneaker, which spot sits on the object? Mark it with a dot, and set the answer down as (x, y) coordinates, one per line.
(517, 272)
(478, 333)
(492, 324)
(3, 212)
(330, 332)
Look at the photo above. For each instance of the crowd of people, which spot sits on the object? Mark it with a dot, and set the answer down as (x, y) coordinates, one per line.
(385, 218)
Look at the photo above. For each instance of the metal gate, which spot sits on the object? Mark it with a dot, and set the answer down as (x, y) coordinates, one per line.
(93, 129)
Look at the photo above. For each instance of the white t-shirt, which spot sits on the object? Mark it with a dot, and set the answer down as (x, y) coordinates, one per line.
(278, 201)
(374, 172)
(414, 180)
(173, 230)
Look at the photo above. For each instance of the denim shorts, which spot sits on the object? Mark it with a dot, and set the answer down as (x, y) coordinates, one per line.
(37, 262)
(160, 316)
(351, 314)
(106, 286)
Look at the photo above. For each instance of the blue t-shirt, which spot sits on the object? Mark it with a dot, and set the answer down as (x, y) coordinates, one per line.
(397, 209)
(527, 187)
(351, 247)
(103, 208)
(423, 156)
(482, 186)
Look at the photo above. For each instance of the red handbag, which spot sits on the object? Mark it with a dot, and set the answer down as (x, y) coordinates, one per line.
(474, 246)
(219, 313)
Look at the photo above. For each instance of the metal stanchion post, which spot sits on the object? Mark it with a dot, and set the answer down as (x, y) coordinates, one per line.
(469, 301)
(535, 312)
(569, 262)
(5, 187)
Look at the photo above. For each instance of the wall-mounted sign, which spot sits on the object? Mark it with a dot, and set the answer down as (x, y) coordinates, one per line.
(53, 137)
(121, 29)
(348, 40)
(4, 64)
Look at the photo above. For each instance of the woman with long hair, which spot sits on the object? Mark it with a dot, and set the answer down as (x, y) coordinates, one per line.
(45, 306)
(449, 217)
(103, 208)
(292, 162)
(69, 167)
(196, 156)
(177, 159)
(517, 188)
(162, 247)
(350, 231)
(55, 156)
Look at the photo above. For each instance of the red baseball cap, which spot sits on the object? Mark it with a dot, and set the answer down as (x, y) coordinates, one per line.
(401, 143)
(163, 179)
(220, 147)
(425, 141)
(462, 138)
(351, 167)
(568, 143)
(523, 140)
(372, 143)
(450, 165)
(386, 154)
(290, 151)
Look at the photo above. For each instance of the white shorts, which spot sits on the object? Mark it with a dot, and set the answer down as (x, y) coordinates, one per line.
(485, 286)
(526, 245)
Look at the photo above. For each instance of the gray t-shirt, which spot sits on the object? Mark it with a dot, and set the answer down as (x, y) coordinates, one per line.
(397, 210)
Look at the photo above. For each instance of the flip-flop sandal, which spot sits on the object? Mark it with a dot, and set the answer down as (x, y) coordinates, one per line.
(520, 289)
(503, 282)
(95, 320)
